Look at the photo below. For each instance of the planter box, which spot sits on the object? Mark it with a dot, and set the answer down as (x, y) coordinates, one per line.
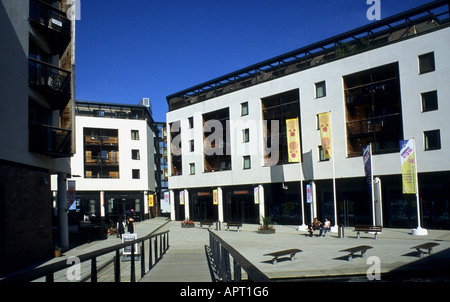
(188, 226)
(266, 231)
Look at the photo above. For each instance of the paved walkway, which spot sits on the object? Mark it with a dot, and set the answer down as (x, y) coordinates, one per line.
(321, 257)
(186, 259)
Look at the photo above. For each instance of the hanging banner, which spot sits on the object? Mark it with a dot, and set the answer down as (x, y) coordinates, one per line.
(325, 134)
(166, 198)
(71, 196)
(256, 195)
(408, 166)
(367, 158)
(150, 200)
(182, 197)
(293, 140)
(308, 194)
(215, 197)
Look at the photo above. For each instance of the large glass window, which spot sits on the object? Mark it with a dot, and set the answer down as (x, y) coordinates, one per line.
(101, 153)
(373, 110)
(277, 109)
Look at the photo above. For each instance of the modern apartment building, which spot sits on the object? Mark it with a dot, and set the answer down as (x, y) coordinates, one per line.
(380, 83)
(37, 121)
(116, 168)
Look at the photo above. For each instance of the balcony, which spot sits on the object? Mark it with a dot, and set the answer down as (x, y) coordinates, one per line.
(50, 80)
(52, 24)
(50, 141)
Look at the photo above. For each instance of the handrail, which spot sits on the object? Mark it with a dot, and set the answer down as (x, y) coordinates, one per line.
(49, 270)
(221, 251)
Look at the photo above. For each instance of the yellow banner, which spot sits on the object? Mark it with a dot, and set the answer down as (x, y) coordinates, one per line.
(325, 133)
(408, 166)
(293, 140)
(150, 200)
(215, 197)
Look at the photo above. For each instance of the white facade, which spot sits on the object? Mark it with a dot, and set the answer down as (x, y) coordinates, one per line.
(125, 182)
(415, 122)
(143, 186)
(431, 164)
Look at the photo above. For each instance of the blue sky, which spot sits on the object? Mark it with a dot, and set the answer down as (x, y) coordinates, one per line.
(128, 50)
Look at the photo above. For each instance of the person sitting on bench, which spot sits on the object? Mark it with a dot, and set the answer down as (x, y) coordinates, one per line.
(326, 227)
(317, 224)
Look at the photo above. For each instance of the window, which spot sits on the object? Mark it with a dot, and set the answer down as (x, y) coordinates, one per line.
(191, 122)
(247, 164)
(276, 109)
(245, 135)
(191, 145)
(244, 109)
(320, 90)
(322, 155)
(373, 110)
(426, 63)
(136, 174)
(135, 154)
(101, 153)
(192, 169)
(429, 101)
(99, 113)
(432, 139)
(135, 135)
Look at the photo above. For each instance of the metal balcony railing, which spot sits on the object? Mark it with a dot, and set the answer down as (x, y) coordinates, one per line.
(51, 80)
(52, 23)
(48, 140)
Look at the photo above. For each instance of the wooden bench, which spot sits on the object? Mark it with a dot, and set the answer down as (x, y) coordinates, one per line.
(356, 249)
(237, 224)
(368, 228)
(276, 255)
(426, 246)
(206, 222)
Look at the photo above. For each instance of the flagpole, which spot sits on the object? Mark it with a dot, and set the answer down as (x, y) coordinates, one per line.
(419, 230)
(335, 228)
(303, 227)
(372, 184)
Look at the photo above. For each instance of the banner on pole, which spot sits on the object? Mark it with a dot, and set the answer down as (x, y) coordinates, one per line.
(293, 140)
(308, 194)
(182, 197)
(215, 197)
(71, 196)
(367, 158)
(256, 195)
(325, 134)
(407, 159)
(151, 200)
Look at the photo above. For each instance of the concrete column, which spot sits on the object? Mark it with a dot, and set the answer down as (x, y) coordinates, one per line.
(262, 207)
(172, 205)
(102, 204)
(314, 201)
(186, 205)
(146, 205)
(63, 221)
(220, 204)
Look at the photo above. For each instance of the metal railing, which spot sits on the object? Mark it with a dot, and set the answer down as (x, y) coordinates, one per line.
(221, 252)
(52, 141)
(110, 263)
(49, 17)
(49, 77)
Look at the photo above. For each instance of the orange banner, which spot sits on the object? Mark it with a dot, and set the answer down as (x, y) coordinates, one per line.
(293, 140)
(325, 133)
